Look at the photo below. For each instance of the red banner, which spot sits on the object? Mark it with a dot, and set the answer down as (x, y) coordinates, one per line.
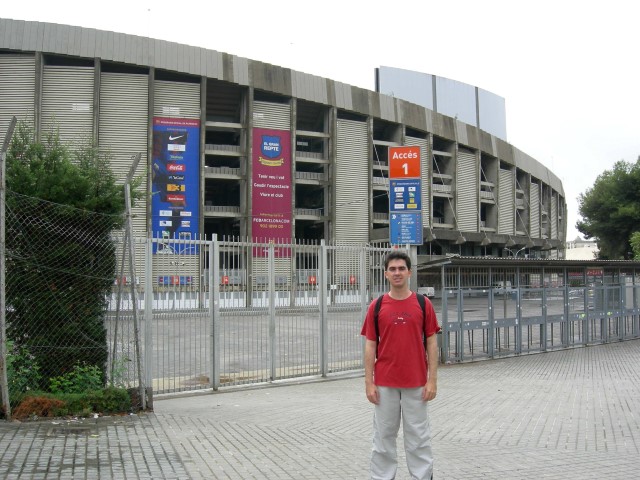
(271, 188)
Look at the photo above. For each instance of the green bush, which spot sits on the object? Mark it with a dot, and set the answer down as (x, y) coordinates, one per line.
(110, 400)
(23, 372)
(83, 378)
(76, 404)
(73, 202)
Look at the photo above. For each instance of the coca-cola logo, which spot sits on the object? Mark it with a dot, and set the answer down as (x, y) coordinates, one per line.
(174, 197)
(176, 167)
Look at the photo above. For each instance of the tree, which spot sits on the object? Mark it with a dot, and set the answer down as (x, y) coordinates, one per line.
(611, 210)
(62, 206)
(635, 245)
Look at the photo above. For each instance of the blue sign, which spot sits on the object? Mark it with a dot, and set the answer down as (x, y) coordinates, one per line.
(404, 195)
(405, 228)
(175, 183)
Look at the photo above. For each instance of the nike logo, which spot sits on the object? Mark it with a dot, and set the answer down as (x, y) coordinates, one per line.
(175, 138)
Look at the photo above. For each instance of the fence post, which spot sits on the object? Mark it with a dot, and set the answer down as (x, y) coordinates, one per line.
(148, 318)
(543, 327)
(132, 274)
(214, 310)
(634, 300)
(444, 318)
(4, 379)
(622, 311)
(322, 302)
(566, 322)
(460, 318)
(272, 311)
(492, 307)
(518, 346)
(364, 303)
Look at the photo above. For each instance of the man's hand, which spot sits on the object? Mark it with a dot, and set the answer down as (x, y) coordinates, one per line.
(369, 363)
(431, 387)
(429, 391)
(372, 393)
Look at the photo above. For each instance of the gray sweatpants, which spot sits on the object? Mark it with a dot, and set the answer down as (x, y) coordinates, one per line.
(394, 404)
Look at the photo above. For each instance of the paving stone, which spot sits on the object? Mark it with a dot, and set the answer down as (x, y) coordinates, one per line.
(564, 414)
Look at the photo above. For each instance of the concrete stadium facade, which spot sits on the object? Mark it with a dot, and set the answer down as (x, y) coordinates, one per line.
(228, 122)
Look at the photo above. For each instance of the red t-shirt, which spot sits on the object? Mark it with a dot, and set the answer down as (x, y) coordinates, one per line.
(401, 360)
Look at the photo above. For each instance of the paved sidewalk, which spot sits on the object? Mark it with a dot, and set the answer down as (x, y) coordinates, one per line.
(559, 415)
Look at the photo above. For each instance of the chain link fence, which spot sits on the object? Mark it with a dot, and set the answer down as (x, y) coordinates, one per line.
(60, 268)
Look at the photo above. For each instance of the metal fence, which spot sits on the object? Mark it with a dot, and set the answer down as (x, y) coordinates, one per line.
(229, 312)
(494, 310)
(205, 314)
(266, 312)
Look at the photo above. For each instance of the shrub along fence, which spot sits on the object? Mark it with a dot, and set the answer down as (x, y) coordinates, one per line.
(60, 265)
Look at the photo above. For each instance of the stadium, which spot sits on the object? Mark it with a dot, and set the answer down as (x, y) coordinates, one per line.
(244, 149)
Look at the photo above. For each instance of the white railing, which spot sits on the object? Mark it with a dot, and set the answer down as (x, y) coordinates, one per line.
(222, 171)
(441, 188)
(313, 212)
(222, 148)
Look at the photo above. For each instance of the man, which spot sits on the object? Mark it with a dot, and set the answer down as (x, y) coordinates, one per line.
(400, 377)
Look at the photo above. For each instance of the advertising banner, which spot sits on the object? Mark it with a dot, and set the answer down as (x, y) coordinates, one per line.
(175, 173)
(271, 188)
(405, 194)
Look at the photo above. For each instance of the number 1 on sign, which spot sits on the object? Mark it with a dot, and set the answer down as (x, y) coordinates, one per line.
(404, 162)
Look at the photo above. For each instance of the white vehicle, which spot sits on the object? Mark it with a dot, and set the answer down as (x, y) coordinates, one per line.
(427, 291)
(503, 288)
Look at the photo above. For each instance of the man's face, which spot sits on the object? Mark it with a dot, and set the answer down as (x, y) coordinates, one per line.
(397, 273)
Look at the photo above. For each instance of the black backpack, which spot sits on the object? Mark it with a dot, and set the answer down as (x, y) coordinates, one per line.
(376, 311)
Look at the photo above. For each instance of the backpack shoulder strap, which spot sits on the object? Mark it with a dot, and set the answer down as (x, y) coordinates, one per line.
(421, 302)
(423, 306)
(376, 312)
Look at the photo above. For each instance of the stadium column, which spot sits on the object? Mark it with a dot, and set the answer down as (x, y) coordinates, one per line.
(97, 77)
(37, 117)
(203, 132)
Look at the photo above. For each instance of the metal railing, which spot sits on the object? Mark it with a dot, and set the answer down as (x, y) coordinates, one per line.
(215, 313)
(233, 312)
(491, 312)
(266, 312)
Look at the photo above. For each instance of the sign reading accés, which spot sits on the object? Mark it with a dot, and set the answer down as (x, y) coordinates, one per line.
(404, 162)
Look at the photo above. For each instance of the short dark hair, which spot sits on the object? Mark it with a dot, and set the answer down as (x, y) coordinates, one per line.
(397, 255)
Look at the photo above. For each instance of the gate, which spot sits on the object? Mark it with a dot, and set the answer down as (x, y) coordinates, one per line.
(505, 307)
(228, 312)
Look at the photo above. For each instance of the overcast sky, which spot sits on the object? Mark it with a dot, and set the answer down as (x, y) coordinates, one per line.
(568, 70)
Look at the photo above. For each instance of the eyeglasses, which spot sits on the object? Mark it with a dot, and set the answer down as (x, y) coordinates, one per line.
(396, 269)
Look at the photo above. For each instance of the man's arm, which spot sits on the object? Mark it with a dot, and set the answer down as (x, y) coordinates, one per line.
(369, 362)
(431, 387)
